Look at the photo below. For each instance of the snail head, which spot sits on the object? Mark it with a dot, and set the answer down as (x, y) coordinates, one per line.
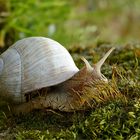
(95, 70)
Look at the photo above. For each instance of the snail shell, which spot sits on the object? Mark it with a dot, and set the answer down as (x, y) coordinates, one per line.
(33, 63)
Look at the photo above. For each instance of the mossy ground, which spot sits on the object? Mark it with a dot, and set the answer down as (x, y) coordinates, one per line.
(109, 119)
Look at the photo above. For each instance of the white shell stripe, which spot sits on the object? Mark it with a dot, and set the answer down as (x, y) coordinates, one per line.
(10, 79)
(1, 65)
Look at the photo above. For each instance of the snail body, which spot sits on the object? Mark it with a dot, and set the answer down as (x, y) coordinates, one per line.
(37, 62)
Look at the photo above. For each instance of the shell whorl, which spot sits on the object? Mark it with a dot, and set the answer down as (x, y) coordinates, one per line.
(33, 63)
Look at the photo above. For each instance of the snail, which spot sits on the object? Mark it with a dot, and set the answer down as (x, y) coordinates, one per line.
(35, 63)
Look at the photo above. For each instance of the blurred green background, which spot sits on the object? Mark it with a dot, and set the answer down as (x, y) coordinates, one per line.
(82, 22)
